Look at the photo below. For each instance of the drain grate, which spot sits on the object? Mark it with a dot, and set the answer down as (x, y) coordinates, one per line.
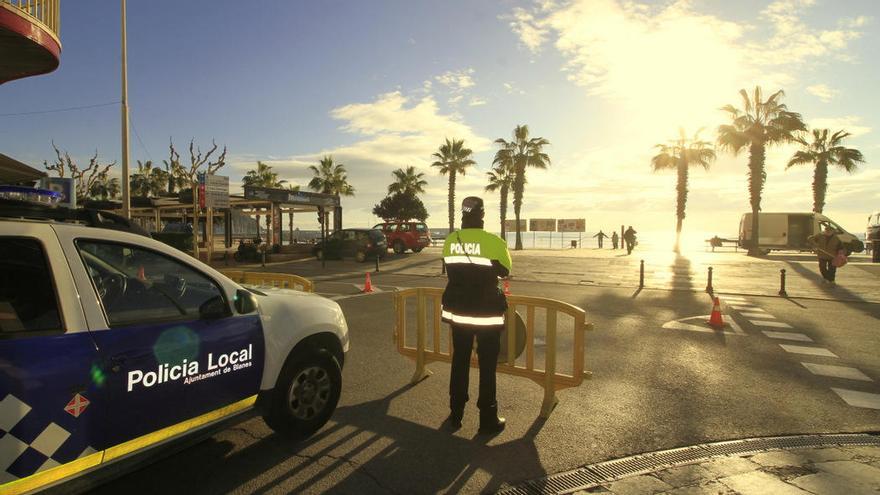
(603, 472)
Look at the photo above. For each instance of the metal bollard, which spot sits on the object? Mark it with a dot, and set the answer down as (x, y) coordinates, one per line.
(264, 257)
(709, 287)
(377, 263)
(443, 267)
(782, 283)
(642, 274)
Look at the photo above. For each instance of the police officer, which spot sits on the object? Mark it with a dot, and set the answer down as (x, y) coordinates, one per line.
(474, 306)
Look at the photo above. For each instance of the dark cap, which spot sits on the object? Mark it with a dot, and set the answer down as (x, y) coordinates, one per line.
(471, 204)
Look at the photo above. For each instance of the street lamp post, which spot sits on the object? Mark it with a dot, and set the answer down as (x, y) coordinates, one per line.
(126, 187)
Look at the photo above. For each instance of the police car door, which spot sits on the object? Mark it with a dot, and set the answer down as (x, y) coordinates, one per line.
(50, 403)
(170, 347)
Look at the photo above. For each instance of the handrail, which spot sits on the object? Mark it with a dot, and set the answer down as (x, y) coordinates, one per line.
(46, 12)
(279, 280)
(549, 378)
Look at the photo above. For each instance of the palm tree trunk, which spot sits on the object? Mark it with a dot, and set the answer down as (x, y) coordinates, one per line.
(451, 201)
(820, 185)
(757, 175)
(518, 186)
(503, 209)
(681, 189)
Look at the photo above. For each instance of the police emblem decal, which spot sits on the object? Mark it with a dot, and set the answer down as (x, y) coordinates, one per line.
(77, 405)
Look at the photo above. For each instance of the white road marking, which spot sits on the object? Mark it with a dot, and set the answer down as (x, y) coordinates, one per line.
(743, 307)
(699, 324)
(732, 298)
(858, 399)
(767, 323)
(837, 371)
(812, 351)
(758, 315)
(787, 336)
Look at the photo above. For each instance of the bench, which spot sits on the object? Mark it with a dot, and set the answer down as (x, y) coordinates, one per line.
(721, 242)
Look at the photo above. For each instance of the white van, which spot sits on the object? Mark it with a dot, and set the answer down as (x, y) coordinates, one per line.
(789, 231)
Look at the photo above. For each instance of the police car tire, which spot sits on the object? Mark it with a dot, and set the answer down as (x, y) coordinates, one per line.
(280, 417)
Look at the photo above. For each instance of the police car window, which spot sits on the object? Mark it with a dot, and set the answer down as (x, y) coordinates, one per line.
(26, 308)
(137, 285)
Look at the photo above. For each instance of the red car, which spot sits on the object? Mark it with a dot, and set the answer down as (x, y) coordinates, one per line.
(405, 235)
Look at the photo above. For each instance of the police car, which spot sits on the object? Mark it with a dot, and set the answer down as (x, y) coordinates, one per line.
(113, 344)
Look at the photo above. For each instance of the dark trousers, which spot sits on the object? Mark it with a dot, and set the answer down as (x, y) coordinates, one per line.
(827, 269)
(488, 346)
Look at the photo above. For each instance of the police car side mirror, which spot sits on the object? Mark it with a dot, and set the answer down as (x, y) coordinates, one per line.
(213, 309)
(245, 301)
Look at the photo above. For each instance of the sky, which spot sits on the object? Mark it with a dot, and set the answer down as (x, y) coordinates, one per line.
(380, 85)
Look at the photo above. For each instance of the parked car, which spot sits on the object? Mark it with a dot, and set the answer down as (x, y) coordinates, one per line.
(789, 231)
(359, 244)
(405, 235)
(177, 228)
(120, 347)
(872, 232)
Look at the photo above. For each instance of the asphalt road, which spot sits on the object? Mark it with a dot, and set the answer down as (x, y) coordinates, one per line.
(652, 388)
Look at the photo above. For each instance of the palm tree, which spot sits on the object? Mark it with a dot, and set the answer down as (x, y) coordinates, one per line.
(680, 154)
(520, 153)
(330, 178)
(262, 176)
(148, 180)
(824, 152)
(760, 123)
(501, 179)
(453, 159)
(407, 182)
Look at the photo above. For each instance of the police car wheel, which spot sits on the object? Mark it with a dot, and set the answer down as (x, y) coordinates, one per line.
(306, 395)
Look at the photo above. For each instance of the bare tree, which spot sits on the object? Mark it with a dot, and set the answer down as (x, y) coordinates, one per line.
(197, 160)
(85, 179)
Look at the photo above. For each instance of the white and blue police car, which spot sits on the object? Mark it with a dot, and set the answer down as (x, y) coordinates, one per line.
(114, 345)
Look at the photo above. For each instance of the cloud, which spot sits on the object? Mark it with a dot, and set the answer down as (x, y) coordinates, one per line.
(822, 91)
(476, 101)
(671, 60)
(849, 123)
(512, 89)
(395, 130)
(456, 80)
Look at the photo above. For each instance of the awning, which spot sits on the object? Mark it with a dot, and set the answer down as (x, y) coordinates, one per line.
(13, 171)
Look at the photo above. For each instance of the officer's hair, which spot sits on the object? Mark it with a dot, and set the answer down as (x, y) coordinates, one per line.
(472, 220)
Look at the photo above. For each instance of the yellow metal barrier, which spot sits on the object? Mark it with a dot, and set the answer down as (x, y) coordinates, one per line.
(279, 280)
(44, 11)
(549, 378)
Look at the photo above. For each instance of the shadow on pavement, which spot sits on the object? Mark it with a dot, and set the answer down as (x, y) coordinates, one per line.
(837, 292)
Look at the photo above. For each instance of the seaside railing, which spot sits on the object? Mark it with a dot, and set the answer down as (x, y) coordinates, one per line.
(277, 280)
(45, 12)
(549, 376)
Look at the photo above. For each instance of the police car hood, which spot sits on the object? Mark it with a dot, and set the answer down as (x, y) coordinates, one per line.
(305, 311)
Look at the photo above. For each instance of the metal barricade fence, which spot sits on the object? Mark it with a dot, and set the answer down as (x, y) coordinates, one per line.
(550, 378)
(279, 280)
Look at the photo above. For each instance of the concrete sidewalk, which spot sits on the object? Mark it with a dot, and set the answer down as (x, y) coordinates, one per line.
(834, 468)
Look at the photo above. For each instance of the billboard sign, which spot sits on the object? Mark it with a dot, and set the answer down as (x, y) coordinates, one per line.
(292, 197)
(542, 224)
(571, 225)
(510, 225)
(213, 191)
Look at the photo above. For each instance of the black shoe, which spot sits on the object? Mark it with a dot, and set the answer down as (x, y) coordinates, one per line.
(492, 425)
(454, 420)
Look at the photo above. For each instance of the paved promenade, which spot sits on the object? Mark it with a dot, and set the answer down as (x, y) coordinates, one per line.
(733, 272)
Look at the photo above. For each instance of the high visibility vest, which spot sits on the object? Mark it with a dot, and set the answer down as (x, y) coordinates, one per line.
(474, 260)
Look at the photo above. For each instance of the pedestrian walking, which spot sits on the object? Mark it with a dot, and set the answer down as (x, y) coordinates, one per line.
(601, 235)
(474, 306)
(630, 237)
(827, 246)
(615, 239)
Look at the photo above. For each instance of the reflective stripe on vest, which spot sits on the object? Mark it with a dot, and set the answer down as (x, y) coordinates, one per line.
(483, 321)
(473, 260)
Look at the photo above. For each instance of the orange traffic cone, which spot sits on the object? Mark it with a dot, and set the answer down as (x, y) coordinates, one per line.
(506, 287)
(368, 286)
(715, 320)
(141, 275)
